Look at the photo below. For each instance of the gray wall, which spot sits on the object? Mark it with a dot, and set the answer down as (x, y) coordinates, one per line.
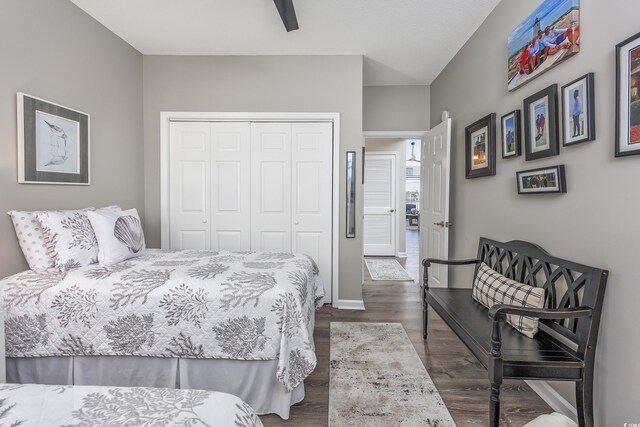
(596, 222)
(401, 108)
(398, 145)
(258, 84)
(69, 59)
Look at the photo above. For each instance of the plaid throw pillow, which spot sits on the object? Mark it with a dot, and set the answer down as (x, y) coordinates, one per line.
(491, 288)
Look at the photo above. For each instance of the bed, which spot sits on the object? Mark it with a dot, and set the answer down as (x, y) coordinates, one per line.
(30, 405)
(240, 323)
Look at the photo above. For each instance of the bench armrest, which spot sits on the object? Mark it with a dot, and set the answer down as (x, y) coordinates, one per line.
(498, 312)
(428, 261)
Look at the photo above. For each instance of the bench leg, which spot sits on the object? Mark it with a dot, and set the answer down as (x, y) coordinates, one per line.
(494, 406)
(425, 313)
(584, 401)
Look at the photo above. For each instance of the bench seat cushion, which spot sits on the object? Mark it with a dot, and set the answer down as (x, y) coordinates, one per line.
(470, 321)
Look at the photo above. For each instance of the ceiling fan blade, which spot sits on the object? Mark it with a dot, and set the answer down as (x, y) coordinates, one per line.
(287, 13)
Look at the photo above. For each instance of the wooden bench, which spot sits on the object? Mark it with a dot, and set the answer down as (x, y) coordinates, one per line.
(564, 347)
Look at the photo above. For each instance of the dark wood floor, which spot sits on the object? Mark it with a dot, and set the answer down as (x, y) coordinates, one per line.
(461, 380)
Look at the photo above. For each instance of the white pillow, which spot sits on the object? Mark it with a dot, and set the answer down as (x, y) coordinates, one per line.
(119, 235)
(70, 239)
(552, 420)
(31, 239)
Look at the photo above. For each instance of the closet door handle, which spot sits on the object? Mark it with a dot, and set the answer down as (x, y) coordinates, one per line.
(296, 222)
(204, 221)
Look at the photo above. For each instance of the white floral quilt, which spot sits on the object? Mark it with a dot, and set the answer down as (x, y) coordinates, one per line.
(29, 405)
(191, 304)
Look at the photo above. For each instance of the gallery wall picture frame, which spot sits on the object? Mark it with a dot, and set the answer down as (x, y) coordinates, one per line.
(578, 111)
(53, 143)
(511, 139)
(351, 194)
(547, 180)
(546, 38)
(627, 140)
(541, 124)
(480, 147)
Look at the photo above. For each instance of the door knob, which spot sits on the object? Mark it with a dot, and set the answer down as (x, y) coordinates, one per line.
(445, 224)
(392, 210)
(296, 222)
(204, 221)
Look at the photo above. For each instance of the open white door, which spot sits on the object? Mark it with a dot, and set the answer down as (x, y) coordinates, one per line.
(434, 208)
(380, 221)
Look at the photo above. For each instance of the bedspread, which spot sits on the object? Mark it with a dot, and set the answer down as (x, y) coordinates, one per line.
(188, 304)
(30, 405)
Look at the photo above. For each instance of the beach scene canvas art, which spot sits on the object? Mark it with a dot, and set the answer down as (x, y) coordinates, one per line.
(548, 36)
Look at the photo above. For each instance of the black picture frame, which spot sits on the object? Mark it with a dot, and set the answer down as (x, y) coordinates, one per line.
(53, 143)
(544, 143)
(627, 134)
(586, 127)
(546, 180)
(517, 132)
(480, 140)
(351, 194)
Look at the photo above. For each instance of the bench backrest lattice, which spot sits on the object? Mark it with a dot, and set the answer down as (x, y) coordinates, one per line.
(567, 284)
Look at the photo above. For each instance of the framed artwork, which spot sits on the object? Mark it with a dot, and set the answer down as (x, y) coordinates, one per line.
(511, 146)
(480, 147)
(548, 36)
(542, 180)
(541, 124)
(351, 194)
(578, 111)
(53, 143)
(628, 97)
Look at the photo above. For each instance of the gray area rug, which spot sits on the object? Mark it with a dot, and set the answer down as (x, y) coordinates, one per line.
(377, 379)
(386, 269)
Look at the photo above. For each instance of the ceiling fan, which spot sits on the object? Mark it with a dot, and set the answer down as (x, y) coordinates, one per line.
(413, 154)
(287, 13)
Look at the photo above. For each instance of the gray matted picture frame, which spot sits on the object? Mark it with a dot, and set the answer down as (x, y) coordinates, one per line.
(53, 143)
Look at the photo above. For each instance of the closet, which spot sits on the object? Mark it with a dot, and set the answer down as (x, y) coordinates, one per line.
(254, 186)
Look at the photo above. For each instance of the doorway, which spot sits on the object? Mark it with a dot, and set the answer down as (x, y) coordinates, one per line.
(392, 201)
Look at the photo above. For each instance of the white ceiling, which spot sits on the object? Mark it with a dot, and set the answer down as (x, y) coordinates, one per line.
(404, 41)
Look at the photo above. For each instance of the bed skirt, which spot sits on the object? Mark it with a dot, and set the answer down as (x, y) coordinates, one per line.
(253, 381)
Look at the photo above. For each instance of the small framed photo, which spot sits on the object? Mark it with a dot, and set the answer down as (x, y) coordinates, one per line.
(628, 97)
(542, 180)
(511, 146)
(480, 147)
(53, 143)
(578, 111)
(541, 124)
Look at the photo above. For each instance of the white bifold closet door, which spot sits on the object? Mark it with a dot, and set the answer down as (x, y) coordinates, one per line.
(253, 186)
(210, 189)
(291, 181)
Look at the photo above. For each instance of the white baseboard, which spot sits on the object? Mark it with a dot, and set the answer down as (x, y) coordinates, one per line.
(553, 399)
(402, 255)
(351, 304)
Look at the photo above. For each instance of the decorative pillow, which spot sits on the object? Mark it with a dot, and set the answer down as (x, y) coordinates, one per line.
(31, 239)
(119, 235)
(70, 239)
(491, 288)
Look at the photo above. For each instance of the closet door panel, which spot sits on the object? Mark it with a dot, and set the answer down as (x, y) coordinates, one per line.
(230, 186)
(189, 199)
(271, 187)
(312, 150)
